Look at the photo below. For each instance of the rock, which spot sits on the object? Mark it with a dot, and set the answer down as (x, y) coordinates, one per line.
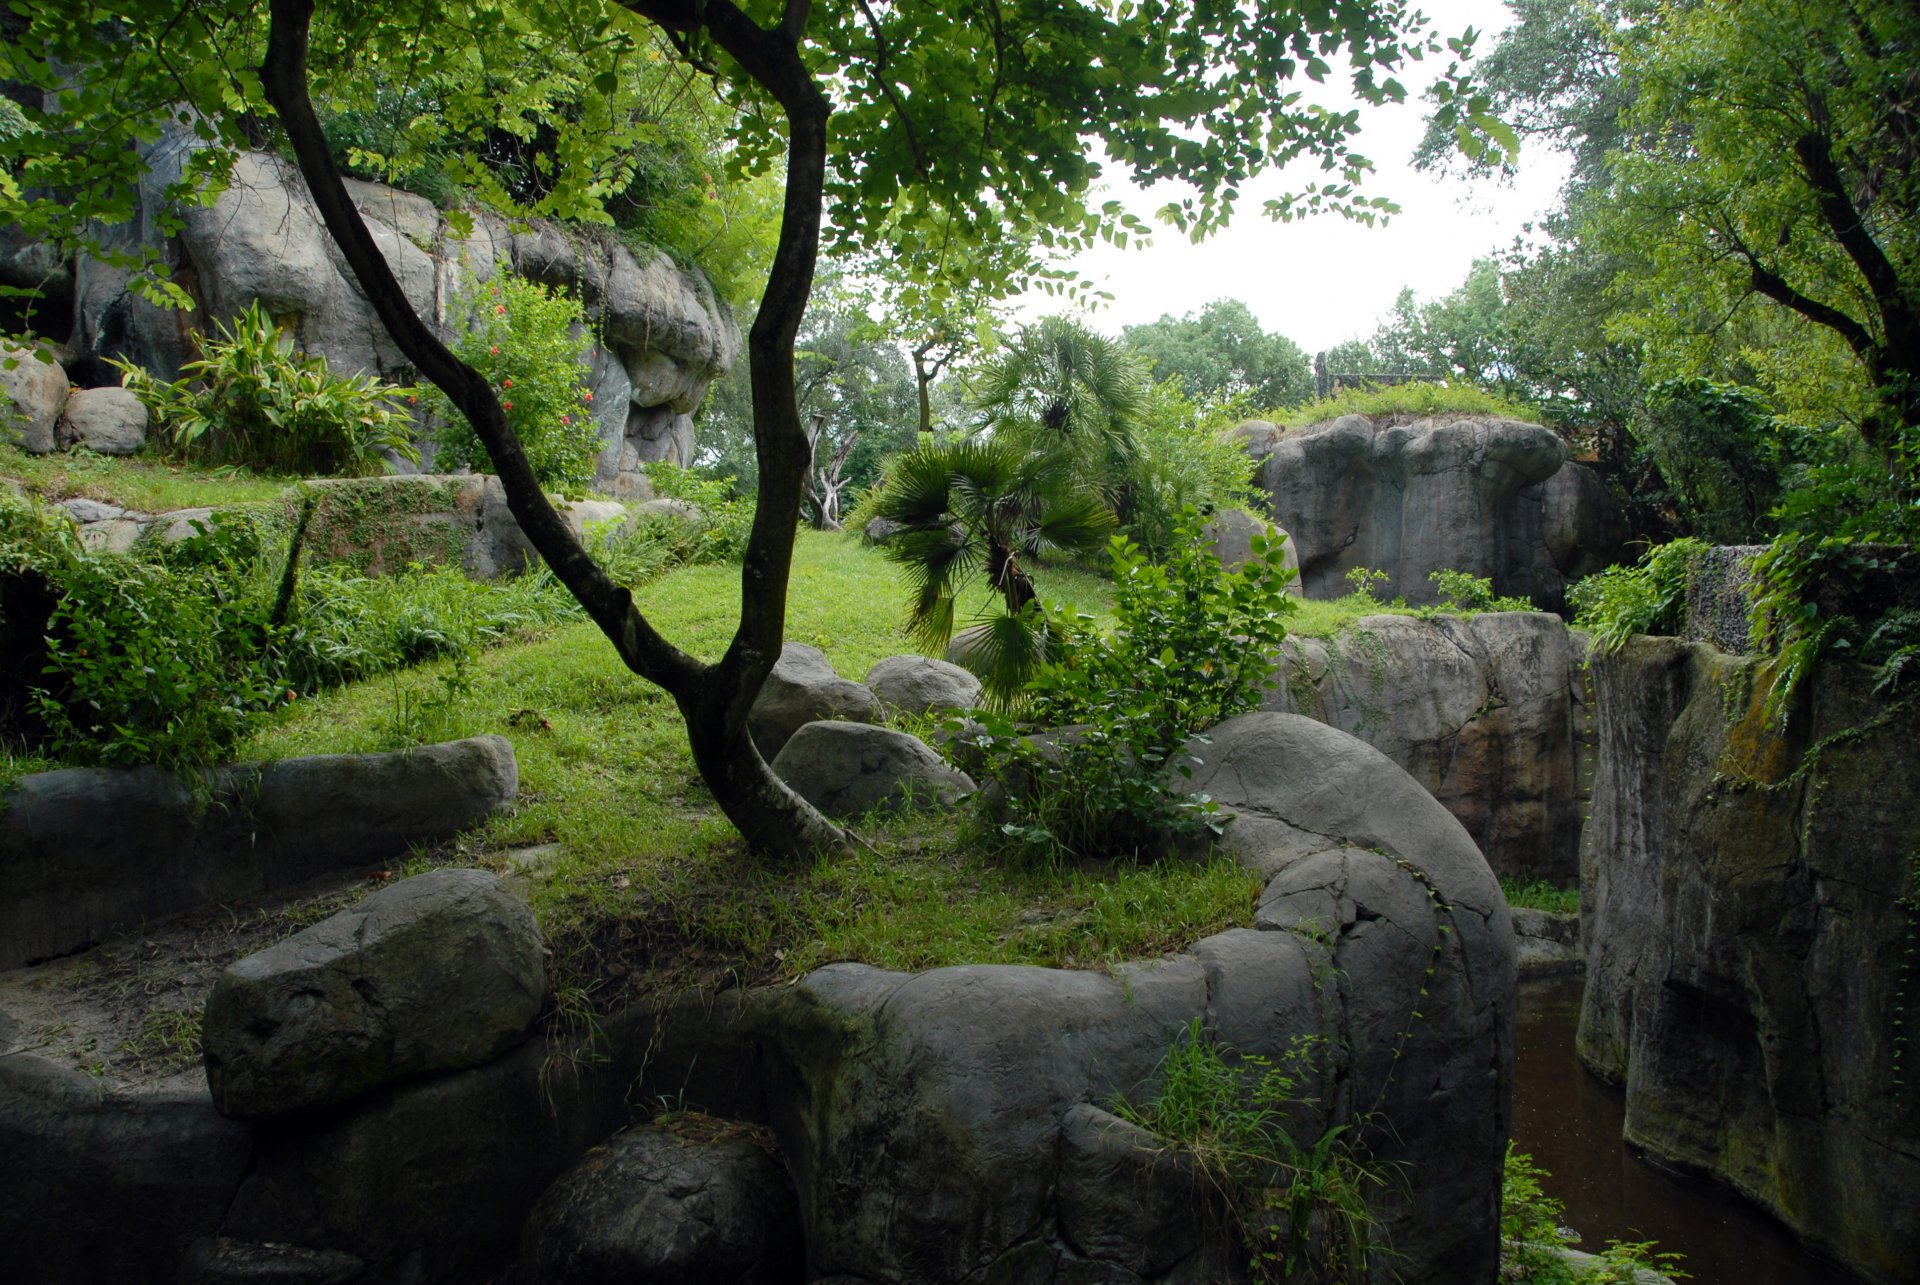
(881, 530)
(176, 525)
(108, 1187)
(661, 1206)
(1231, 532)
(670, 509)
(849, 769)
(106, 421)
(1486, 711)
(87, 512)
(1130, 1200)
(1546, 943)
(1256, 436)
(89, 850)
(32, 395)
(1742, 911)
(922, 685)
(221, 1261)
(664, 336)
(802, 689)
(1471, 494)
(435, 973)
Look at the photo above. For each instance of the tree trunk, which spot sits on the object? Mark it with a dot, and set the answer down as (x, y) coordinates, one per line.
(715, 699)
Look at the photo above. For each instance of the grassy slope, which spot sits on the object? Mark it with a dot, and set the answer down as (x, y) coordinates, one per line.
(142, 482)
(650, 880)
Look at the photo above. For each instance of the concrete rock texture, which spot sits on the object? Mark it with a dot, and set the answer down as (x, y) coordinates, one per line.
(922, 685)
(106, 421)
(32, 395)
(436, 973)
(1491, 497)
(1743, 917)
(1489, 712)
(86, 850)
(669, 1207)
(664, 334)
(849, 769)
(802, 689)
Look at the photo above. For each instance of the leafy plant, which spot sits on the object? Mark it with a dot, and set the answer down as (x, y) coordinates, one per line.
(1540, 895)
(1401, 399)
(1180, 459)
(252, 400)
(1787, 616)
(1532, 1241)
(1646, 598)
(725, 520)
(1295, 1206)
(532, 345)
(1192, 644)
(1462, 592)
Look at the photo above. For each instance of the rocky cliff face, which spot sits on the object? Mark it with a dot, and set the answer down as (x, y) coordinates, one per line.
(1750, 927)
(1492, 497)
(663, 334)
(1490, 713)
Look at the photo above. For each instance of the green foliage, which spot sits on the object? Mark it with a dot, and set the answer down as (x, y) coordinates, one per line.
(1181, 460)
(719, 533)
(532, 344)
(1191, 645)
(1400, 399)
(1222, 352)
(1531, 1238)
(1540, 895)
(1725, 457)
(1790, 579)
(1296, 1207)
(1468, 593)
(974, 508)
(1649, 597)
(252, 400)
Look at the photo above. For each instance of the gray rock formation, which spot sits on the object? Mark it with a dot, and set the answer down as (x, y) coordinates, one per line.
(1231, 532)
(669, 1207)
(802, 689)
(439, 972)
(1135, 1206)
(664, 335)
(106, 421)
(1489, 712)
(922, 685)
(32, 395)
(86, 851)
(1491, 497)
(849, 769)
(1745, 928)
(1546, 943)
(220, 1260)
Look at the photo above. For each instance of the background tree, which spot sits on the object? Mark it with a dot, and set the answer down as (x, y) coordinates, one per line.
(1030, 94)
(1222, 352)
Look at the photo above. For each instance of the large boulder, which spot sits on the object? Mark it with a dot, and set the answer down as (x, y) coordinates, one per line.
(1491, 497)
(663, 334)
(32, 395)
(106, 421)
(689, 1204)
(1230, 532)
(435, 973)
(87, 851)
(1489, 712)
(922, 685)
(802, 689)
(1747, 910)
(849, 769)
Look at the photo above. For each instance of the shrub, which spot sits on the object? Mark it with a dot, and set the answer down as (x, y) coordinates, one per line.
(532, 344)
(1191, 645)
(252, 400)
(1468, 593)
(1403, 399)
(1648, 597)
(1531, 1238)
(1181, 459)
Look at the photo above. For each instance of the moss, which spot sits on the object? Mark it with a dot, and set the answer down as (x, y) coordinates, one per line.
(381, 525)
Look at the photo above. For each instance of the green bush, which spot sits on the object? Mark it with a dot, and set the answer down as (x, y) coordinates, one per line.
(1182, 460)
(252, 400)
(532, 344)
(1531, 1238)
(1403, 399)
(1192, 644)
(1468, 593)
(1648, 597)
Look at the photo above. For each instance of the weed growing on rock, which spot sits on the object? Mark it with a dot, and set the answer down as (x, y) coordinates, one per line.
(1536, 1250)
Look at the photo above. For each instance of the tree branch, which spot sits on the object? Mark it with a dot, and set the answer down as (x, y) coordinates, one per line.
(284, 77)
(893, 96)
(1847, 226)
(1775, 287)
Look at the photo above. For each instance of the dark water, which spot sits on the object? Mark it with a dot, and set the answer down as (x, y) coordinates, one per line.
(1569, 1121)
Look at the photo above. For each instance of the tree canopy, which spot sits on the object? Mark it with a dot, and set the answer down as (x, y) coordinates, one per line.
(1222, 352)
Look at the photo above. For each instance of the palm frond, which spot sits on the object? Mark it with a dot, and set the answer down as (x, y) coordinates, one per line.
(1003, 649)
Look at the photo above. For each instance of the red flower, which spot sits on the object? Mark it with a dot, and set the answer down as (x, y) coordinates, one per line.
(588, 396)
(495, 350)
(500, 309)
(566, 419)
(290, 695)
(506, 383)
(506, 405)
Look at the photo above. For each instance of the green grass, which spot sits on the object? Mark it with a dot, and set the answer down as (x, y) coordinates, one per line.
(652, 886)
(1402, 399)
(1539, 894)
(144, 482)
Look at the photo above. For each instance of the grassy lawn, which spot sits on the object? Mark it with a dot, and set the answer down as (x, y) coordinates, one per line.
(647, 885)
(144, 482)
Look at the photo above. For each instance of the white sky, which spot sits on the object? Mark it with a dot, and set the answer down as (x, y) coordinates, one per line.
(1322, 280)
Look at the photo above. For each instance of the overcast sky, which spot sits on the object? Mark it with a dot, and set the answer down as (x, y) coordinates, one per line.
(1323, 280)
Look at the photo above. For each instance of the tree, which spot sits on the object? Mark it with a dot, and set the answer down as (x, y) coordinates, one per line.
(1221, 351)
(990, 113)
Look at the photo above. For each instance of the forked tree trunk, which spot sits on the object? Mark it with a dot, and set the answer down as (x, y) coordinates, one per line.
(714, 699)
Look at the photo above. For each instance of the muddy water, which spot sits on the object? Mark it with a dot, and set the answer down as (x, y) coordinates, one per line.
(1569, 1121)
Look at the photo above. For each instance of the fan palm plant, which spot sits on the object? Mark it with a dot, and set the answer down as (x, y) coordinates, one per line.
(1063, 390)
(972, 508)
